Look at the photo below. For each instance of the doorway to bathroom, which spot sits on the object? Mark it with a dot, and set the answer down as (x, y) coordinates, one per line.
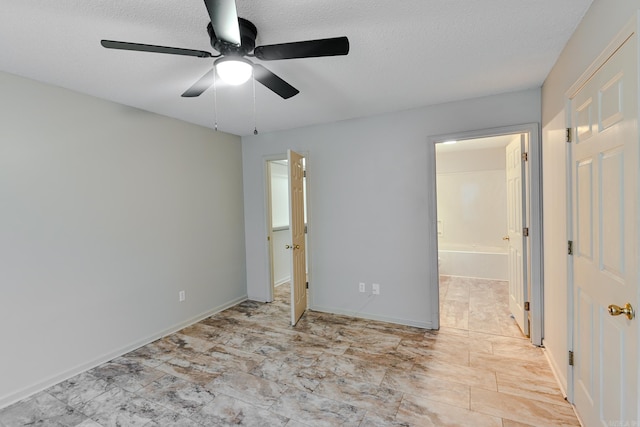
(284, 247)
(484, 202)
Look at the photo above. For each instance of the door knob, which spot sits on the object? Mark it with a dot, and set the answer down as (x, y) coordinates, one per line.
(506, 238)
(288, 246)
(296, 247)
(627, 310)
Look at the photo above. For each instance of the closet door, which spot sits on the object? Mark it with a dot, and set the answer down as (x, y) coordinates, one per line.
(605, 163)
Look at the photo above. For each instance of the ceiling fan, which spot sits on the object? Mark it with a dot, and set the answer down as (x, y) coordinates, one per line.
(235, 39)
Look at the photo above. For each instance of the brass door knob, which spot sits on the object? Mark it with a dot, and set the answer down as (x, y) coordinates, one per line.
(288, 247)
(296, 247)
(506, 238)
(627, 310)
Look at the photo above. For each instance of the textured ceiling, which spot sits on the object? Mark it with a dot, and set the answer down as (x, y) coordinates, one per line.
(404, 54)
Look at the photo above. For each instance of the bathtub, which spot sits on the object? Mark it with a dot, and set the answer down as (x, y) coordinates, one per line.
(485, 263)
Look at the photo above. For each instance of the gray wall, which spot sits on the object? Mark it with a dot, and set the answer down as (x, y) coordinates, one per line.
(367, 203)
(106, 213)
(599, 26)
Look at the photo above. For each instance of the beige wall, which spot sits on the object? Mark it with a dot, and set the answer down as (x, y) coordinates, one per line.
(602, 22)
(106, 213)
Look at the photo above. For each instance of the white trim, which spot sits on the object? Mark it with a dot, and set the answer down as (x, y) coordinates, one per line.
(308, 177)
(359, 315)
(282, 281)
(535, 225)
(268, 220)
(555, 369)
(63, 376)
(627, 31)
(432, 236)
(568, 258)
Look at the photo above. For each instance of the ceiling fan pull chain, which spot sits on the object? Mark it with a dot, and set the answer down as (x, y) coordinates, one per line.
(255, 125)
(215, 102)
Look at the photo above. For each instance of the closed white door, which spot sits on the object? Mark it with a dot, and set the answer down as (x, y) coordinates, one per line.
(297, 228)
(605, 166)
(516, 220)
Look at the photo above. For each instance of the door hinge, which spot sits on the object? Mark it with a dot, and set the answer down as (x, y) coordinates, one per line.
(570, 247)
(525, 157)
(525, 231)
(526, 306)
(307, 285)
(568, 135)
(570, 358)
(304, 174)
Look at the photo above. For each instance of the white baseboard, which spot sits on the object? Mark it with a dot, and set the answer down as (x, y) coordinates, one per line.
(282, 281)
(405, 322)
(562, 383)
(57, 378)
(555, 369)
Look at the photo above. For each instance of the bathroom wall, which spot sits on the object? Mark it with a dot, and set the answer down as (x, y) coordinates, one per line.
(279, 195)
(472, 203)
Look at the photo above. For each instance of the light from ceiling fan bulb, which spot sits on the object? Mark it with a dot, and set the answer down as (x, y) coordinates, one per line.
(233, 70)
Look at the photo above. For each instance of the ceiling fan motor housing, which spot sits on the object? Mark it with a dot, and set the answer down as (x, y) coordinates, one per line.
(248, 34)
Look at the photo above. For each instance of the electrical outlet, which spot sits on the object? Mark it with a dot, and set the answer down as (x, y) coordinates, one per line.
(375, 289)
(362, 287)
(181, 296)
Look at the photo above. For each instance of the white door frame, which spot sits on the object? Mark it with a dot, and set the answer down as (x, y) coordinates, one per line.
(268, 219)
(534, 168)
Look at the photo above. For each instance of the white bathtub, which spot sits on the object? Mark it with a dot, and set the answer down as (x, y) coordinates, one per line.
(485, 263)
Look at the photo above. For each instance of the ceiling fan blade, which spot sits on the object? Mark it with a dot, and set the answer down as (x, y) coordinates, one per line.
(306, 49)
(200, 86)
(111, 44)
(224, 19)
(273, 82)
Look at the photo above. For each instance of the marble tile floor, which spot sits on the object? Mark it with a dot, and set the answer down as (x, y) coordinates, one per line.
(477, 305)
(246, 366)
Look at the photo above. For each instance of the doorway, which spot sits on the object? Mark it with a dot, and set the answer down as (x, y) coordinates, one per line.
(281, 245)
(477, 232)
(487, 255)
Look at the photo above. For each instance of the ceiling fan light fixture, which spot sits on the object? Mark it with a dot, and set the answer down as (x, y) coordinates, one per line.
(233, 70)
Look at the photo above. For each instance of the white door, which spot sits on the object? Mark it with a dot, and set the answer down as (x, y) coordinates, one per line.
(516, 220)
(297, 228)
(605, 258)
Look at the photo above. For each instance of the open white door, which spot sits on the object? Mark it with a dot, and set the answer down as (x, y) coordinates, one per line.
(297, 228)
(516, 220)
(605, 162)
